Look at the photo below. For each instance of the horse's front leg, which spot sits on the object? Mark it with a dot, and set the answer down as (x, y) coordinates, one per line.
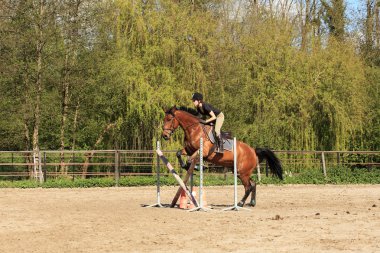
(181, 162)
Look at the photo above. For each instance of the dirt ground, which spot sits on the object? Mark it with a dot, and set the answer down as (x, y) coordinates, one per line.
(291, 218)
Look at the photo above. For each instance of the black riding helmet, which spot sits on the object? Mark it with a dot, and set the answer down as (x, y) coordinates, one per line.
(197, 96)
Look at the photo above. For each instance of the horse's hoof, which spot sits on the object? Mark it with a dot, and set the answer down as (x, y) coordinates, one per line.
(252, 203)
(241, 204)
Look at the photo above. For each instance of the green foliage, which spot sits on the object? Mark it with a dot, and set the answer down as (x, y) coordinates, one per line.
(335, 175)
(122, 61)
(334, 17)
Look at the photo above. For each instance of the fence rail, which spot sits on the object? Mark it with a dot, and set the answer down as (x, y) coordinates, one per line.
(88, 163)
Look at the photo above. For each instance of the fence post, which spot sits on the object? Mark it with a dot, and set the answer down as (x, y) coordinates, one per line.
(338, 158)
(40, 174)
(45, 170)
(324, 164)
(117, 171)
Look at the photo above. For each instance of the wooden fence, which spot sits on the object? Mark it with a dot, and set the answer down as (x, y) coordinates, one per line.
(41, 165)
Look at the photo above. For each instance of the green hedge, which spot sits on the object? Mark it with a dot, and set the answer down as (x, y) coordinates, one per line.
(334, 176)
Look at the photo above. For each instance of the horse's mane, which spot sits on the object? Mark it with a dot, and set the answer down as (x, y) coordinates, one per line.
(192, 111)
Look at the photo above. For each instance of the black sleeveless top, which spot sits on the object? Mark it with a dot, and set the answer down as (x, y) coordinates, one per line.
(207, 108)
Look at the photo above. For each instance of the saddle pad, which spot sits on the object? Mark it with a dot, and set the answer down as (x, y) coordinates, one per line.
(227, 143)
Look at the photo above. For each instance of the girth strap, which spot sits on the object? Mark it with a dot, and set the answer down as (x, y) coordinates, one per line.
(213, 148)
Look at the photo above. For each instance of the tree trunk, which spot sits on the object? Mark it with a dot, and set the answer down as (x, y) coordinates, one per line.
(64, 110)
(377, 23)
(91, 154)
(70, 59)
(40, 45)
(305, 25)
(369, 28)
(335, 17)
(75, 123)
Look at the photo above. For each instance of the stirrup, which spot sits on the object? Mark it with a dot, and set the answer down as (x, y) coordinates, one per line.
(219, 148)
(219, 151)
(219, 145)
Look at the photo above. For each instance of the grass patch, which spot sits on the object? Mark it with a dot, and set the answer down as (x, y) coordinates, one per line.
(338, 175)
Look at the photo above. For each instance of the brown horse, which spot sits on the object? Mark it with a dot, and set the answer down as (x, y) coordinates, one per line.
(246, 156)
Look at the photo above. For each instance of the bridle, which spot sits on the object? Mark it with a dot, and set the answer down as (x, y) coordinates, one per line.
(171, 129)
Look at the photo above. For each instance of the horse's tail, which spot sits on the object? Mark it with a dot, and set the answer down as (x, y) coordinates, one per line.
(273, 161)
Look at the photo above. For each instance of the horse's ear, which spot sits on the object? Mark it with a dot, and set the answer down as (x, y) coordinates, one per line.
(173, 109)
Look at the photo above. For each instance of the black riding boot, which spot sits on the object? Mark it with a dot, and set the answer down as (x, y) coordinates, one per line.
(220, 145)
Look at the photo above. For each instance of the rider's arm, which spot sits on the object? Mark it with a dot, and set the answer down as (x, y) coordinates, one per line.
(212, 118)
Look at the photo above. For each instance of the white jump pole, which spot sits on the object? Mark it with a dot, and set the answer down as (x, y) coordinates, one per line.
(158, 204)
(235, 207)
(200, 207)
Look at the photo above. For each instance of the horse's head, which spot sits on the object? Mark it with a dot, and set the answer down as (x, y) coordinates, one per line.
(170, 123)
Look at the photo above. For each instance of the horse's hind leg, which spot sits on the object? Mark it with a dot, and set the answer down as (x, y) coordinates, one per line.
(248, 189)
(253, 193)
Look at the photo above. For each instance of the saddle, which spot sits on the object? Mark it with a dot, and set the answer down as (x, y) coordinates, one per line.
(226, 137)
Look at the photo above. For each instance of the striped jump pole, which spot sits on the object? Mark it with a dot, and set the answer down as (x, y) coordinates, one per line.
(177, 177)
(235, 207)
(189, 175)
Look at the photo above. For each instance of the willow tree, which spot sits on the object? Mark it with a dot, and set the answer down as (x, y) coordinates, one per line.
(104, 70)
(158, 55)
(370, 51)
(286, 98)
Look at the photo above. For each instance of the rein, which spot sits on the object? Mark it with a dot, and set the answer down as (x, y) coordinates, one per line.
(190, 125)
(172, 127)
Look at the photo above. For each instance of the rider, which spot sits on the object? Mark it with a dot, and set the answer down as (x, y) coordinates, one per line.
(215, 115)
